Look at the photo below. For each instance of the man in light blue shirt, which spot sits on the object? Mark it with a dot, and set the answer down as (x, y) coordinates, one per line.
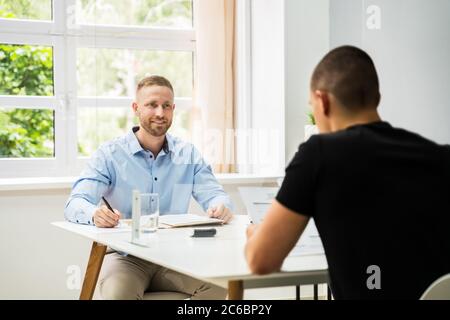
(151, 161)
(119, 166)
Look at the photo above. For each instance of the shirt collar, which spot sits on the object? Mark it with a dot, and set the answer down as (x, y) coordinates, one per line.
(169, 143)
(133, 142)
(135, 147)
(378, 124)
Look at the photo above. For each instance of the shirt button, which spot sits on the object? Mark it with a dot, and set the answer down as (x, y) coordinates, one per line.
(151, 157)
(156, 179)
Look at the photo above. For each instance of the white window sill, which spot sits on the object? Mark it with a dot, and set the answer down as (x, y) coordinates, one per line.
(39, 183)
(52, 183)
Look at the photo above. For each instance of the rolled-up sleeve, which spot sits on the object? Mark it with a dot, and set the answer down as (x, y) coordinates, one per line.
(88, 190)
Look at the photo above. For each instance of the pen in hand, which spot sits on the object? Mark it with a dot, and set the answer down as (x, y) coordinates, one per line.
(109, 207)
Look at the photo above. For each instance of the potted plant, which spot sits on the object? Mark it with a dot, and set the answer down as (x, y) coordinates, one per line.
(311, 127)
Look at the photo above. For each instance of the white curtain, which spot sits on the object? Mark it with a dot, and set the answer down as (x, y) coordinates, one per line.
(214, 95)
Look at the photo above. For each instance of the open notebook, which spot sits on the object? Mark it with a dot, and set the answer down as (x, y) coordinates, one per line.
(185, 220)
(175, 221)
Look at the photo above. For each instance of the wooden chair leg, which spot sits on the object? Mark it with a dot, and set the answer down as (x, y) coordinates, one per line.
(92, 271)
(235, 290)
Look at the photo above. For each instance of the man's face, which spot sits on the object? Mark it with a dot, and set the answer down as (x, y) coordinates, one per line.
(320, 109)
(154, 107)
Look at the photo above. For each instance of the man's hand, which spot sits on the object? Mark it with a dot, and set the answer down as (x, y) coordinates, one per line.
(220, 212)
(104, 218)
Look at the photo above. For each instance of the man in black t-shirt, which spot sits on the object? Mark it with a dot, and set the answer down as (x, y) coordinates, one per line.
(380, 196)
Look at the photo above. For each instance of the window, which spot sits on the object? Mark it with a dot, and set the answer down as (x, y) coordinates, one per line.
(26, 70)
(68, 71)
(26, 9)
(156, 13)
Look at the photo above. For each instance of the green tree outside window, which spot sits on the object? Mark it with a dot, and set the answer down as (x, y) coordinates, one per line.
(26, 70)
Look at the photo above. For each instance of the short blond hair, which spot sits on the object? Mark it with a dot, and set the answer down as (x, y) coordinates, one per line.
(154, 81)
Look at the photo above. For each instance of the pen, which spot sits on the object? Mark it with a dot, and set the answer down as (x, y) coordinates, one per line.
(108, 205)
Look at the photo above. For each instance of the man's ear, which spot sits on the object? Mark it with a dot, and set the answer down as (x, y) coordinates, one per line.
(324, 102)
(134, 105)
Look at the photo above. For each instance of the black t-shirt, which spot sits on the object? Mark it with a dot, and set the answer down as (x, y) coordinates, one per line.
(380, 196)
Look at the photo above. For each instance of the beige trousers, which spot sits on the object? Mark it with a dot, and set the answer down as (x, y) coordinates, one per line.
(129, 278)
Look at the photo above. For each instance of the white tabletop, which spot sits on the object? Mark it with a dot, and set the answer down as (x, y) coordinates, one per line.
(217, 260)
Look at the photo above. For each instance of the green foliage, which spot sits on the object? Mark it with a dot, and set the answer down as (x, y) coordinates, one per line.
(26, 9)
(26, 133)
(26, 70)
(162, 13)
(311, 119)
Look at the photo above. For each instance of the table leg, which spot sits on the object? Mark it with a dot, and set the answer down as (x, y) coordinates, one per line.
(92, 271)
(297, 293)
(316, 292)
(236, 290)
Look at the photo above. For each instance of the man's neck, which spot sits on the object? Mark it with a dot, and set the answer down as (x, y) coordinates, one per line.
(149, 142)
(345, 122)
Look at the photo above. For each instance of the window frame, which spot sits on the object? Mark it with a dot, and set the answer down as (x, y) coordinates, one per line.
(66, 37)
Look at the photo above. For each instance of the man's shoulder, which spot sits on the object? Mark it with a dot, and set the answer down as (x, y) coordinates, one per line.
(176, 140)
(113, 145)
(367, 139)
(178, 144)
(184, 151)
(377, 132)
(341, 136)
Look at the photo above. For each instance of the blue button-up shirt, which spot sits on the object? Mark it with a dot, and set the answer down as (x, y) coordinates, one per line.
(120, 166)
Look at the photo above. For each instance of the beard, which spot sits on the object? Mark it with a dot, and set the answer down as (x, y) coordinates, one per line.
(156, 129)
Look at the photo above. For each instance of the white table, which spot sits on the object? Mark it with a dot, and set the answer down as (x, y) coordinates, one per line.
(219, 260)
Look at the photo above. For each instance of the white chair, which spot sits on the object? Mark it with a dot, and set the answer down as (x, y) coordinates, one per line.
(438, 290)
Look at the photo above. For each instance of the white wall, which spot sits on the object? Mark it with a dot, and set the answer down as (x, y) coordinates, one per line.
(35, 255)
(288, 39)
(267, 85)
(411, 51)
(307, 41)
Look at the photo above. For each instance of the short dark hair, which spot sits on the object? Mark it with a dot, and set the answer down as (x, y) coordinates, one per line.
(154, 81)
(349, 74)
